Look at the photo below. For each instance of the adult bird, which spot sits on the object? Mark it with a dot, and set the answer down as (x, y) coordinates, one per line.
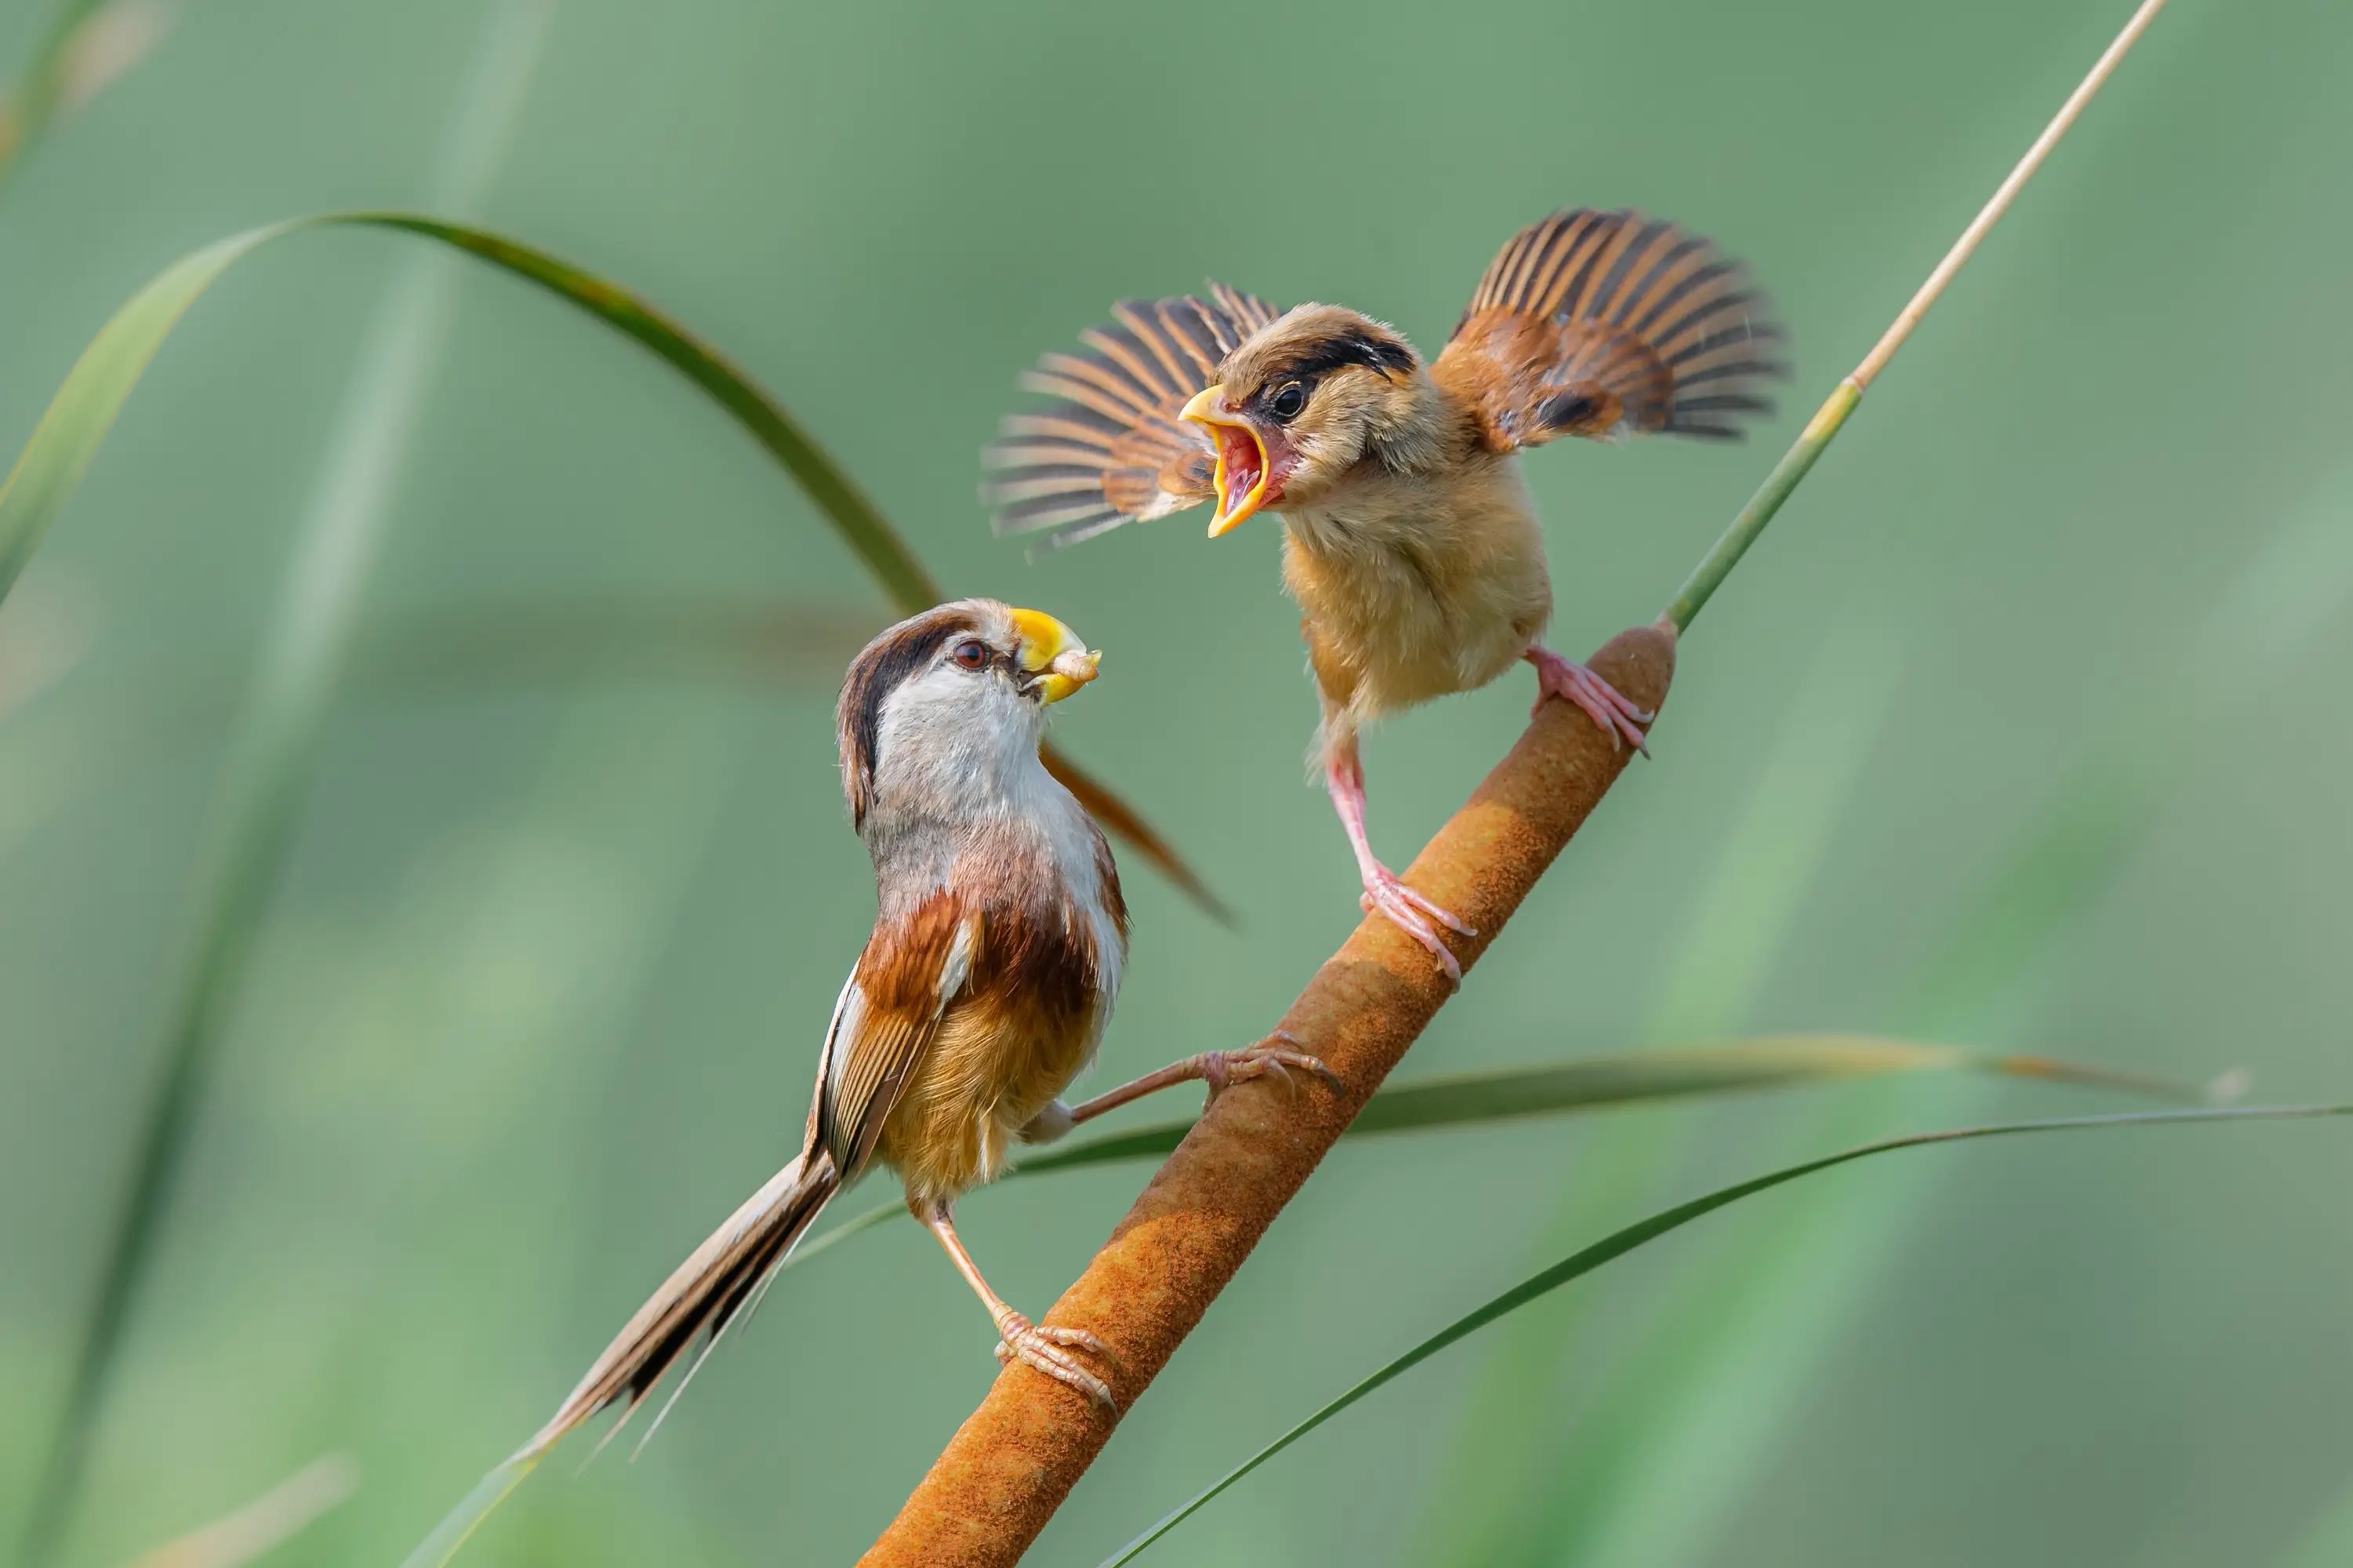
(1410, 539)
(983, 992)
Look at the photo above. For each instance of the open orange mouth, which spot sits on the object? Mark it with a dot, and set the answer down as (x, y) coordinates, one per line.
(1242, 462)
(1242, 469)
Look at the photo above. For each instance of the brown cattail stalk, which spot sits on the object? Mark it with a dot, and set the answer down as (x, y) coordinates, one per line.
(1012, 1463)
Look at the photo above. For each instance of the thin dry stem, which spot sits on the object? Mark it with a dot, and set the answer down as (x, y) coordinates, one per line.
(1991, 214)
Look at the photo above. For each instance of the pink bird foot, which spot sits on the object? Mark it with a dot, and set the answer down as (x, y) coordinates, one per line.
(1048, 1350)
(1343, 775)
(1572, 682)
(1413, 914)
(1274, 1057)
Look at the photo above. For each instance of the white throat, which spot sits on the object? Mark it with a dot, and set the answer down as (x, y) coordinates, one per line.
(942, 758)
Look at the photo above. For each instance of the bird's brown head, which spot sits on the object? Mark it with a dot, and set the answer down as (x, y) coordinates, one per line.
(950, 704)
(1300, 403)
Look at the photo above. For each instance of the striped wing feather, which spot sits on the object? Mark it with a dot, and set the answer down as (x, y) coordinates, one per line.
(889, 1017)
(1108, 448)
(1609, 323)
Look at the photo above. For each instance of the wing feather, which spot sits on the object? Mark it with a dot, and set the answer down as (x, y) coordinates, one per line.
(912, 969)
(1108, 448)
(1602, 324)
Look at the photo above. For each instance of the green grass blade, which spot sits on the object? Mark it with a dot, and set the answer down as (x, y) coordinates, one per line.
(1738, 920)
(1583, 1083)
(856, 517)
(251, 817)
(77, 418)
(1119, 820)
(85, 408)
(1470, 1100)
(766, 643)
(844, 1231)
(460, 1524)
(1587, 1083)
(1618, 1244)
(1683, 1427)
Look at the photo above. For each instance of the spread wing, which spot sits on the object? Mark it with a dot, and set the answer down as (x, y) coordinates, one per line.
(1109, 448)
(889, 1014)
(1609, 324)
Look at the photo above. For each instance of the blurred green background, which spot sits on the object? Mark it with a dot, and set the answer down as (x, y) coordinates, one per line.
(2017, 730)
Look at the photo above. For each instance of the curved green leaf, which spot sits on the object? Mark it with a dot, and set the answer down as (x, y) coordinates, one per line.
(1475, 1099)
(84, 410)
(1618, 1243)
(1584, 1083)
(1581, 1083)
(250, 821)
(458, 1526)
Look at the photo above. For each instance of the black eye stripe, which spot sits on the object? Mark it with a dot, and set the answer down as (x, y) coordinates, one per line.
(1373, 353)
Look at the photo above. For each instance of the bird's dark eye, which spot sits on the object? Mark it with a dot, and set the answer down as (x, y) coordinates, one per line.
(970, 654)
(1288, 400)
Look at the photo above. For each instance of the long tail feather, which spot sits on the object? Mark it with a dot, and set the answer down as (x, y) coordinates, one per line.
(701, 1297)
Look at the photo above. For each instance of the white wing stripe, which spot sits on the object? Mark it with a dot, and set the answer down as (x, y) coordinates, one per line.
(847, 1008)
(957, 968)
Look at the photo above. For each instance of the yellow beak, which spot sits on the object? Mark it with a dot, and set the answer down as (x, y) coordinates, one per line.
(1204, 411)
(1054, 653)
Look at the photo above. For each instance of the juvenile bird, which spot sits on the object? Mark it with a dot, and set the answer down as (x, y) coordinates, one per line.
(982, 993)
(1410, 539)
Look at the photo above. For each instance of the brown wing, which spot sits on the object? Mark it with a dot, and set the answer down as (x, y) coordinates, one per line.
(1108, 448)
(889, 1014)
(1609, 323)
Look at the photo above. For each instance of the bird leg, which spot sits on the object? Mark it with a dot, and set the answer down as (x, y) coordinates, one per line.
(1219, 1069)
(1572, 682)
(1343, 775)
(1046, 1348)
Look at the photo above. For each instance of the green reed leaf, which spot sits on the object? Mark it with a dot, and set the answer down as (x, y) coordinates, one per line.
(101, 380)
(253, 811)
(1587, 1083)
(1618, 1243)
(1582, 1083)
(1478, 1098)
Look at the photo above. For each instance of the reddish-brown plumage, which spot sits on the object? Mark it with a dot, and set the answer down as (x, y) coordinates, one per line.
(1019, 1031)
(981, 994)
(1410, 541)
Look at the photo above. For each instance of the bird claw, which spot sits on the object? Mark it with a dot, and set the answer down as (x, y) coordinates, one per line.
(1222, 1069)
(1620, 719)
(1412, 914)
(1048, 1350)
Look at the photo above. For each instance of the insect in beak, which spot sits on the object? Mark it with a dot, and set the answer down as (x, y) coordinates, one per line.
(1054, 660)
(1243, 467)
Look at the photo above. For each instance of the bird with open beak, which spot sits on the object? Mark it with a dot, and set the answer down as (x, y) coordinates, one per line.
(983, 992)
(1410, 539)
